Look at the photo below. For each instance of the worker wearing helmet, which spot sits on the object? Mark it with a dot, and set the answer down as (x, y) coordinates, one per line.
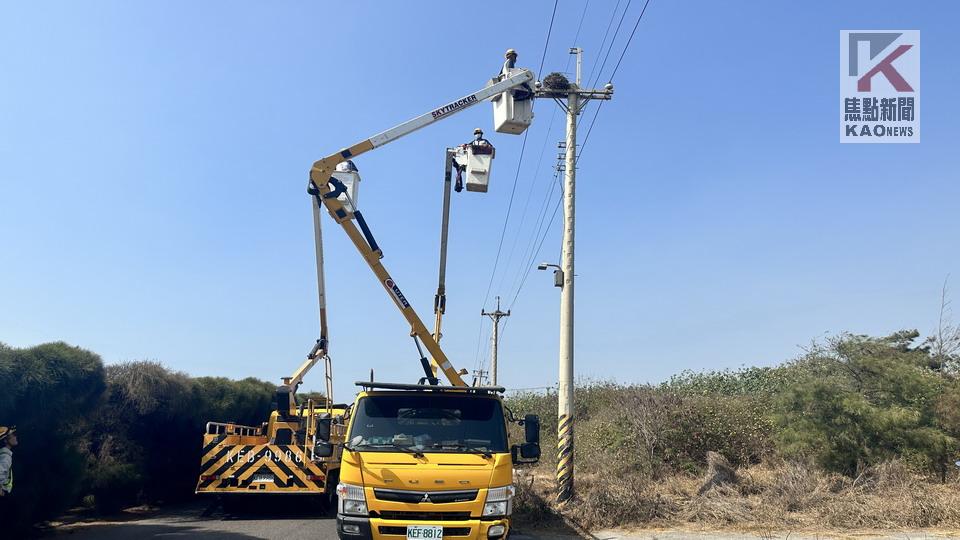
(478, 138)
(510, 62)
(8, 439)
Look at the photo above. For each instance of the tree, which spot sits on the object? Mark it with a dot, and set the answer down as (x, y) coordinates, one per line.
(877, 399)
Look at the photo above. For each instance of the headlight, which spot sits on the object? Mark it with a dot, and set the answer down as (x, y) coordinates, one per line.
(499, 501)
(350, 500)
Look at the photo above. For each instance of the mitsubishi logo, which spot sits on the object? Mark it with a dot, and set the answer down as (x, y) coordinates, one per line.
(426, 498)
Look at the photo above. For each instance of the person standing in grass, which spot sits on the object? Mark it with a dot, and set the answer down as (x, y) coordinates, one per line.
(8, 439)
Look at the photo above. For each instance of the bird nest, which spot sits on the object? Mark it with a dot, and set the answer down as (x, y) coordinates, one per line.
(556, 81)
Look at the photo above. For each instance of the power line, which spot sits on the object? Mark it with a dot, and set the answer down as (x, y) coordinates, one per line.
(549, 31)
(523, 147)
(542, 212)
(529, 266)
(513, 190)
(604, 40)
(627, 46)
(622, 54)
(579, 26)
(594, 119)
(526, 203)
(506, 219)
(589, 130)
(612, 40)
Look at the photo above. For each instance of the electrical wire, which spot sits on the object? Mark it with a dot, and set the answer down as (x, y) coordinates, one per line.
(546, 139)
(516, 177)
(592, 122)
(603, 42)
(627, 46)
(586, 139)
(539, 247)
(513, 190)
(612, 75)
(542, 212)
(612, 41)
(549, 31)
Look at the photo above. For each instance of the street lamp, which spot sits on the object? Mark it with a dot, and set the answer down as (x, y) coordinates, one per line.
(557, 273)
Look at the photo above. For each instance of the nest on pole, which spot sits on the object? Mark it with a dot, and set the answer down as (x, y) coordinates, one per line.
(556, 81)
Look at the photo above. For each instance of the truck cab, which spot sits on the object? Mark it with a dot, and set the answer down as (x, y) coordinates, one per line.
(429, 462)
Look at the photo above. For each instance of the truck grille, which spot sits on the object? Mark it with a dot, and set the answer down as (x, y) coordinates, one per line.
(417, 497)
(447, 531)
(421, 516)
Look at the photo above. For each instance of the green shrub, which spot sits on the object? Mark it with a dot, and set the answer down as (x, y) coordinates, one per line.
(879, 401)
(147, 438)
(49, 392)
(652, 430)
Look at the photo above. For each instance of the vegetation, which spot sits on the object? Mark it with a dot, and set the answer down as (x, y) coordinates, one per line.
(859, 431)
(111, 436)
(50, 392)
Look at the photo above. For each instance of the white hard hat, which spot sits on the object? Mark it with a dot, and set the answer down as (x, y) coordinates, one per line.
(346, 166)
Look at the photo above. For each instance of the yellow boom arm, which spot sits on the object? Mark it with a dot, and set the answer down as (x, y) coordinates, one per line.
(320, 183)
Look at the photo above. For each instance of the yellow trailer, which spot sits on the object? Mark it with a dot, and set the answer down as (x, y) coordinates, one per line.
(284, 455)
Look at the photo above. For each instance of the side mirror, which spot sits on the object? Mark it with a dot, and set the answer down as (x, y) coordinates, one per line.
(531, 429)
(530, 451)
(323, 429)
(525, 453)
(323, 449)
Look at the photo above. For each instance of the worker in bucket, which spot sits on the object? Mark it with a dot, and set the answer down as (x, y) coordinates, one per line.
(478, 138)
(510, 62)
(520, 93)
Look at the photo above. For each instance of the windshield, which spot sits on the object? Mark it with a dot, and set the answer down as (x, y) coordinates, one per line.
(428, 423)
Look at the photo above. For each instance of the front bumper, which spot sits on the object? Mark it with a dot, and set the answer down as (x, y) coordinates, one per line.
(362, 528)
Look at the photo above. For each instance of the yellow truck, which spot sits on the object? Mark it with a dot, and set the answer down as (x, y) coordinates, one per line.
(429, 462)
(421, 461)
(425, 461)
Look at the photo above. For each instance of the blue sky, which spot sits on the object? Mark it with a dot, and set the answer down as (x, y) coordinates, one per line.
(153, 158)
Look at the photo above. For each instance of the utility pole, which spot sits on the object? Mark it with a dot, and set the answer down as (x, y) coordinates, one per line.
(478, 376)
(495, 317)
(557, 86)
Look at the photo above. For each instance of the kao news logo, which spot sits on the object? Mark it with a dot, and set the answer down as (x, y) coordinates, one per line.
(880, 86)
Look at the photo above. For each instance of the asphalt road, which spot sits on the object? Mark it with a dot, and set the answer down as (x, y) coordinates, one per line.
(194, 521)
(189, 522)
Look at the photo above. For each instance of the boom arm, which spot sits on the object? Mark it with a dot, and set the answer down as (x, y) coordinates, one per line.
(320, 180)
(320, 349)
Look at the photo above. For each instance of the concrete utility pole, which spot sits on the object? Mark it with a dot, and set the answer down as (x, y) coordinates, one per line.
(495, 317)
(560, 89)
(478, 376)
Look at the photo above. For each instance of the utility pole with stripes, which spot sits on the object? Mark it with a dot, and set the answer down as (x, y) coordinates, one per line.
(494, 338)
(572, 99)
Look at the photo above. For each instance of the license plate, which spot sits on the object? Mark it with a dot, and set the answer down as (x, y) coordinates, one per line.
(261, 478)
(428, 532)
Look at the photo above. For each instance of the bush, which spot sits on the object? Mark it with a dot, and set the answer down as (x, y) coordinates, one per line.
(125, 434)
(652, 430)
(147, 438)
(49, 392)
(879, 401)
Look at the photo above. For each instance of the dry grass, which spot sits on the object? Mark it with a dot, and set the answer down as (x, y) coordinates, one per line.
(771, 496)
